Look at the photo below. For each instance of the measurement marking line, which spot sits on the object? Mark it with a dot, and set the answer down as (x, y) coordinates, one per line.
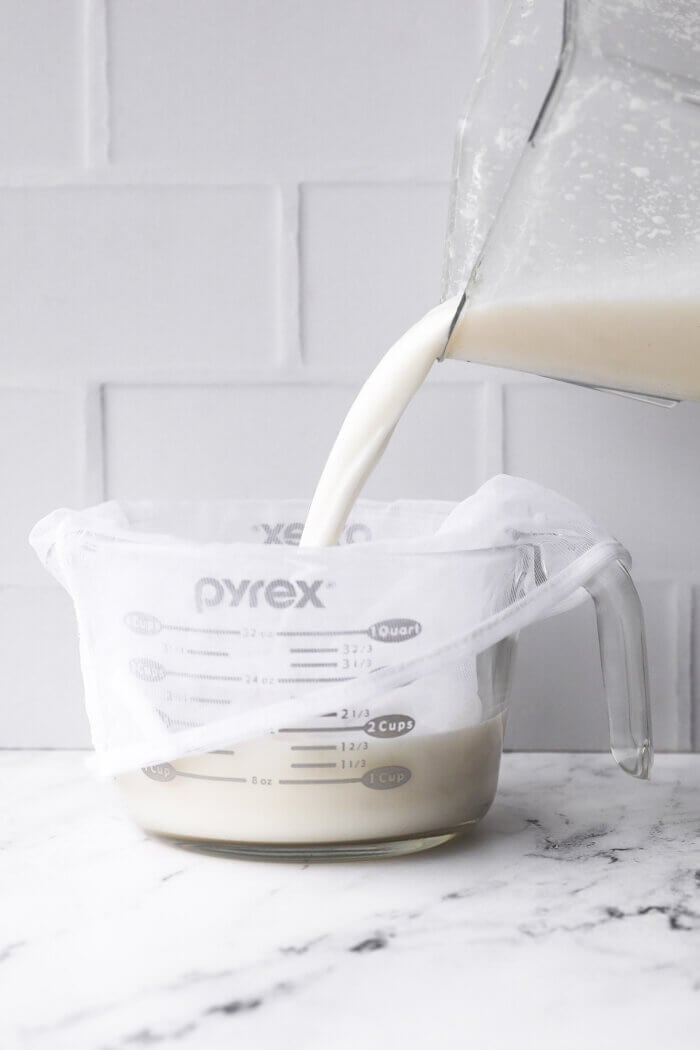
(322, 729)
(209, 677)
(331, 650)
(315, 665)
(222, 752)
(314, 747)
(314, 765)
(205, 776)
(326, 780)
(211, 700)
(330, 714)
(197, 630)
(289, 681)
(178, 723)
(207, 652)
(316, 634)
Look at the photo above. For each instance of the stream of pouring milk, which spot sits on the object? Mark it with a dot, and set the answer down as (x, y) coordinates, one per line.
(370, 423)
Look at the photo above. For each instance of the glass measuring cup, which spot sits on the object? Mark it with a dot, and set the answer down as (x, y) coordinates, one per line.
(574, 230)
(261, 699)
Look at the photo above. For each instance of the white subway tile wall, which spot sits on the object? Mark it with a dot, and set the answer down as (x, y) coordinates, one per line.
(558, 699)
(634, 467)
(214, 219)
(268, 440)
(41, 76)
(104, 283)
(40, 469)
(359, 292)
(289, 92)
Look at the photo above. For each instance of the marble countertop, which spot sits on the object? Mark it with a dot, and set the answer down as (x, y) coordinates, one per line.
(569, 918)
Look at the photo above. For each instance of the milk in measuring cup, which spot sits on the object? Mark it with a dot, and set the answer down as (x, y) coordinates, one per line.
(338, 783)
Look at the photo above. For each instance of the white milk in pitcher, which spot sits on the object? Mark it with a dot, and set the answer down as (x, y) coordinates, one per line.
(642, 345)
(638, 344)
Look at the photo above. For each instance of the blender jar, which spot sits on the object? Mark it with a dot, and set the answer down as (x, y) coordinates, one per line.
(574, 231)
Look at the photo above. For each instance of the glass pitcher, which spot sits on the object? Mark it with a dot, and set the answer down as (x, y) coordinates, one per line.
(573, 243)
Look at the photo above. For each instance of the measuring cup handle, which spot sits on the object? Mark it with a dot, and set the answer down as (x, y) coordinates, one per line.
(623, 660)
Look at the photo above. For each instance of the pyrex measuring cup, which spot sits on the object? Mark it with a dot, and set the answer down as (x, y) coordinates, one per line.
(260, 698)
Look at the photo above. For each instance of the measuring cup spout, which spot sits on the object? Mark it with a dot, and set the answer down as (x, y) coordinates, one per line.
(623, 660)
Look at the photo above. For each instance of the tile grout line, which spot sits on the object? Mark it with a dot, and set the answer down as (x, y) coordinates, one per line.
(289, 313)
(691, 619)
(492, 435)
(683, 605)
(289, 373)
(489, 20)
(130, 175)
(96, 131)
(93, 445)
